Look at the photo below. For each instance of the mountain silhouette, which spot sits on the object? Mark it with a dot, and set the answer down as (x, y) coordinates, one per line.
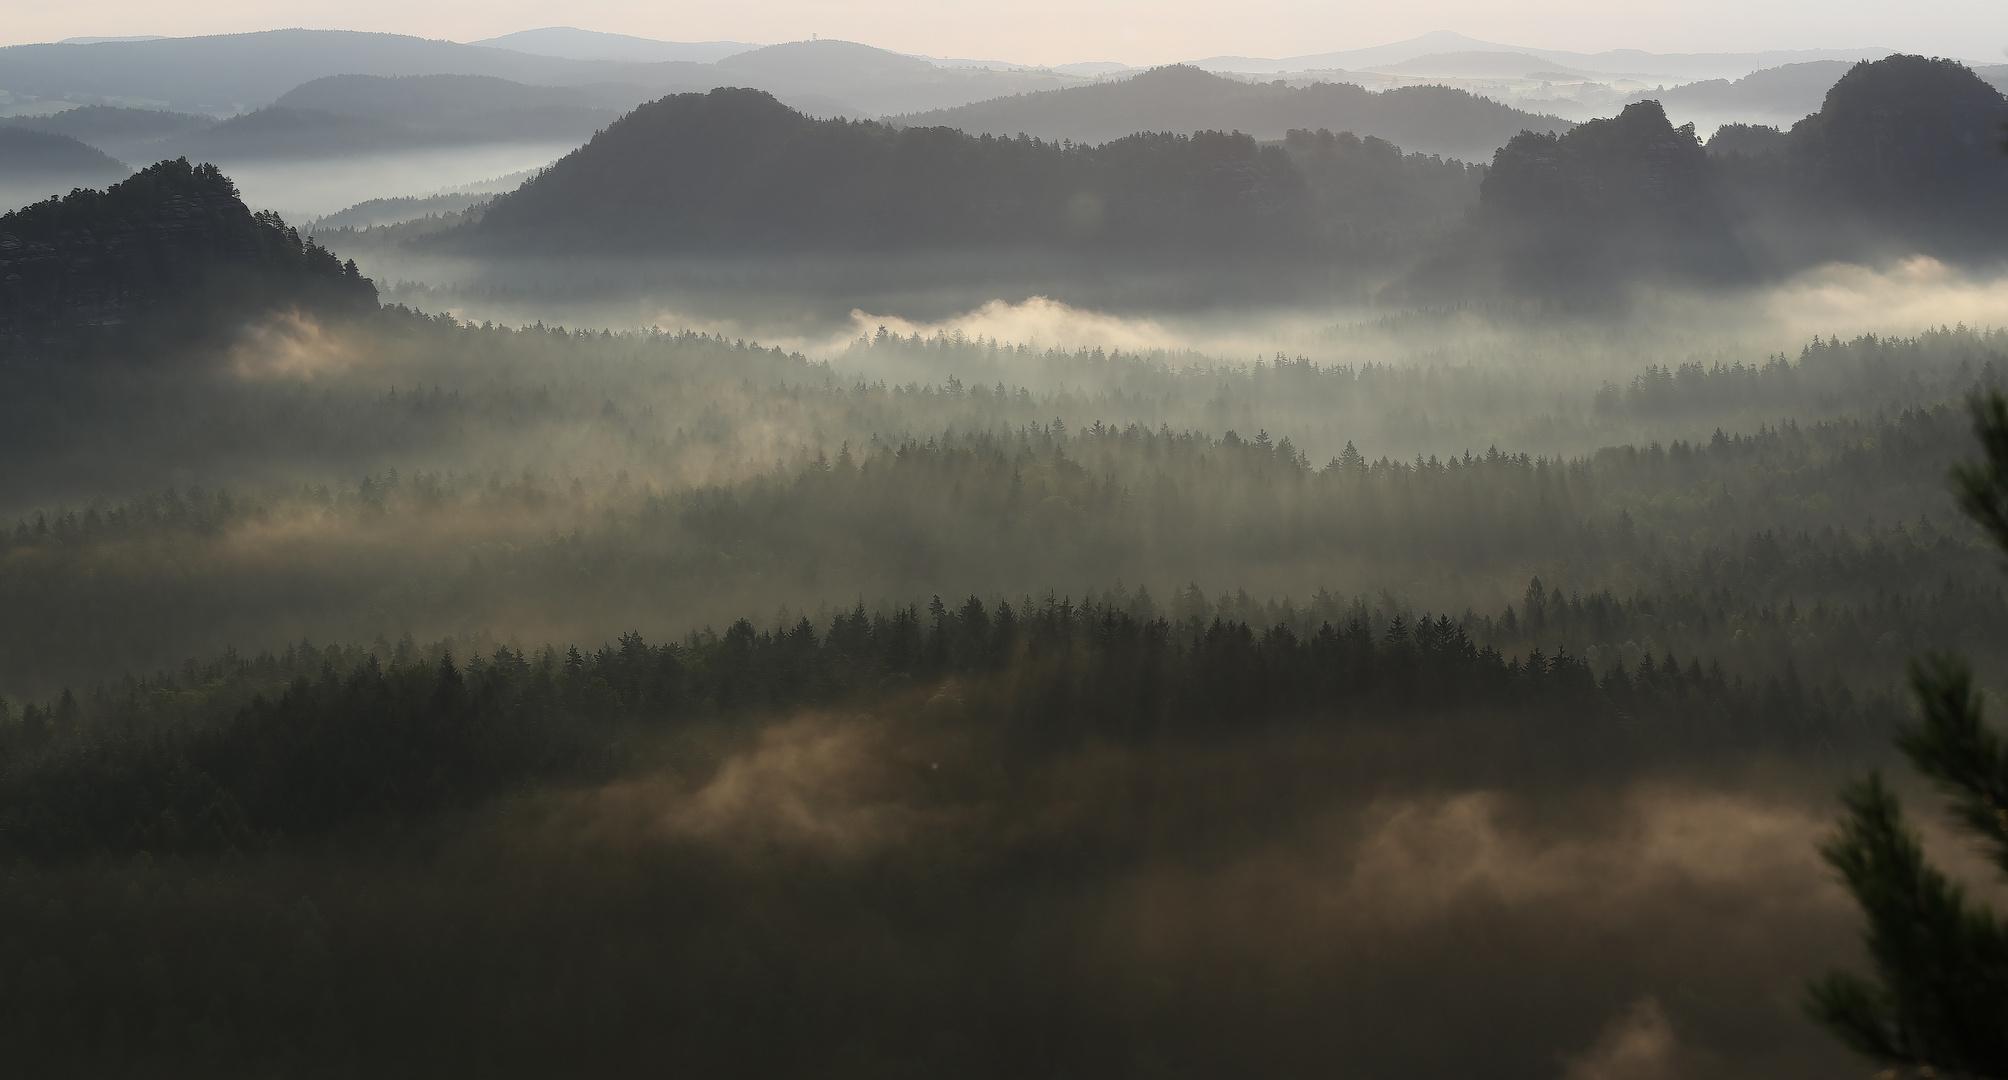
(737, 170)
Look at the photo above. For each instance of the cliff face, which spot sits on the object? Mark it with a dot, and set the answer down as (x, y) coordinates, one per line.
(168, 254)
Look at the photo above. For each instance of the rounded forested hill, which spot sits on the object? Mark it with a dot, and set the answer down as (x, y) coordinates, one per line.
(170, 251)
(735, 169)
(1910, 137)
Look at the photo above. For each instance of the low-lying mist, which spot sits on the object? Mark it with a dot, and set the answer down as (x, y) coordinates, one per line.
(818, 306)
(1282, 904)
(302, 189)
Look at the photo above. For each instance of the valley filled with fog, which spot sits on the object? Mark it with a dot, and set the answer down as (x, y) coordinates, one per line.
(574, 554)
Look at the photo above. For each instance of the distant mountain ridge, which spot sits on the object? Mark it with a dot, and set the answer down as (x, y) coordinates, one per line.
(1774, 94)
(572, 43)
(126, 133)
(353, 114)
(1428, 119)
(1613, 61)
(231, 73)
(343, 114)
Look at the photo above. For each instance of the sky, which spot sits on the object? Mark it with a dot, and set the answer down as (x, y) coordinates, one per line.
(1066, 31)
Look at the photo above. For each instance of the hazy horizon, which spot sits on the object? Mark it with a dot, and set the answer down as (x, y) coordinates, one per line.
(1124, 31)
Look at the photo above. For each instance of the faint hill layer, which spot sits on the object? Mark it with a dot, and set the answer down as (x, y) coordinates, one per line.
(1426, 119)
(573, 43)
(846, 78)
(737, 171)
(124, 133)
(1774, 94)
(1480, 65)
(358, 114)
(373, 213)
(236, 72)
(232, 72)
(352, 114)
(168, 254)
(1445, 43)
(37, 164)
(25, 153)
(445, 100)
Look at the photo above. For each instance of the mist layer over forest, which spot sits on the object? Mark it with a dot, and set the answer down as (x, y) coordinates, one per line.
(772, 595)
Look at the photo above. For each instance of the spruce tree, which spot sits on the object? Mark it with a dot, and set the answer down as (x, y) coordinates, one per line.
(1937, 1003)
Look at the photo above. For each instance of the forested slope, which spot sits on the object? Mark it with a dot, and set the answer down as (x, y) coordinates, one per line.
(168, 254)
(736, 172)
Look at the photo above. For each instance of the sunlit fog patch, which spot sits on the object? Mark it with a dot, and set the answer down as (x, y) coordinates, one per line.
(832, 786)
(1916, 294)
(1404, 867)
(1420, 857)
(1038, 321)
(1640, 1044)
(808, 782)
(1045, 323)
(291, 345)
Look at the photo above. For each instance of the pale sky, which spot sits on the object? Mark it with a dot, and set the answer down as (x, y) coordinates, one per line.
(1064, 31)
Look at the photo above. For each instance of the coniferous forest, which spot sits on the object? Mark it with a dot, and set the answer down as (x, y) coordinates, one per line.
(1417, 626)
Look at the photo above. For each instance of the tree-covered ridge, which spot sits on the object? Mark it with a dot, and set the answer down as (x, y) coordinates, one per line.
(170, 250)
(1633, 188)
(344, 739)
(1840, 524)
(736, 170)
(561, 480)
(363, 858)
(1901, 158)
(1368, 186)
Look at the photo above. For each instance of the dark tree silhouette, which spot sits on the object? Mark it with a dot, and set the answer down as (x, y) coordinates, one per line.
(1938, 1000)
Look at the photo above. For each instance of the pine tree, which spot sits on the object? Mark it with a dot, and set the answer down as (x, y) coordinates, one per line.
(1937, 1003)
